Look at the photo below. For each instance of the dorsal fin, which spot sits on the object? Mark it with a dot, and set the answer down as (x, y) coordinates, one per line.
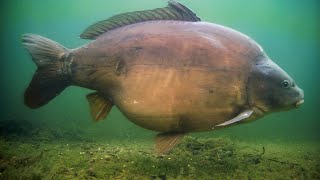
(174, 11)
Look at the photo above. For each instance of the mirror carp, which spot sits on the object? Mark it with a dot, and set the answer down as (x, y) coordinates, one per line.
(166, 71)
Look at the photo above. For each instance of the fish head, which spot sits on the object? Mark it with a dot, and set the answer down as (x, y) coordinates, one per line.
(272, 89)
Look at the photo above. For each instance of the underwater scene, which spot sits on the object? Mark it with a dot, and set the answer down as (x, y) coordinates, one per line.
(69, 113)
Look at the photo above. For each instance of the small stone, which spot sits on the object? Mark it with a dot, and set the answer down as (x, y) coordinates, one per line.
(91, 172)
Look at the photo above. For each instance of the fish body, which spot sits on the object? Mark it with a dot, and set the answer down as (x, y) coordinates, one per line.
(171, 75)
(166, 71)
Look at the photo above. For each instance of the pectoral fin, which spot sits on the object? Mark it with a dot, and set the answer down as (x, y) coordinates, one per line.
(99, 106)
(245, 114)
(164, 142)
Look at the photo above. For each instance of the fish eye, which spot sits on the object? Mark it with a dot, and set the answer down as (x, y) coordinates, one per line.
(285, 84)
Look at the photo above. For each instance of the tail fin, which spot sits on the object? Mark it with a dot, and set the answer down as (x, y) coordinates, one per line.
(50, 78)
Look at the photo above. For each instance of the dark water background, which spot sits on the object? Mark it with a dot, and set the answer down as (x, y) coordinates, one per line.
(288, 30)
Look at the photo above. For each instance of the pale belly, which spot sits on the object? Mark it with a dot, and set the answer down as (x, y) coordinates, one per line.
(180, 99)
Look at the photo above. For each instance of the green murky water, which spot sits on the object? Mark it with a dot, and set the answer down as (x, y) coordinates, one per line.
(59, 140)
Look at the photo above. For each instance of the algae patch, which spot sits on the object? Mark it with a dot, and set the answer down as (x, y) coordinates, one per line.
(194, 158)
(30, 152)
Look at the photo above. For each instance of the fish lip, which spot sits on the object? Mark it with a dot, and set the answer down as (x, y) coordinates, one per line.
(300, 102)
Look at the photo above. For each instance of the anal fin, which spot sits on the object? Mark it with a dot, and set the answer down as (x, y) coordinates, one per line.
(99, 106)
(164, 142)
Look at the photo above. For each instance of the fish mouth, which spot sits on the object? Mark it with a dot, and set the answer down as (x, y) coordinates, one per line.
(299, 103)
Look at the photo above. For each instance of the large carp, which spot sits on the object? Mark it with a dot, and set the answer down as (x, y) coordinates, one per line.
(166, 71)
